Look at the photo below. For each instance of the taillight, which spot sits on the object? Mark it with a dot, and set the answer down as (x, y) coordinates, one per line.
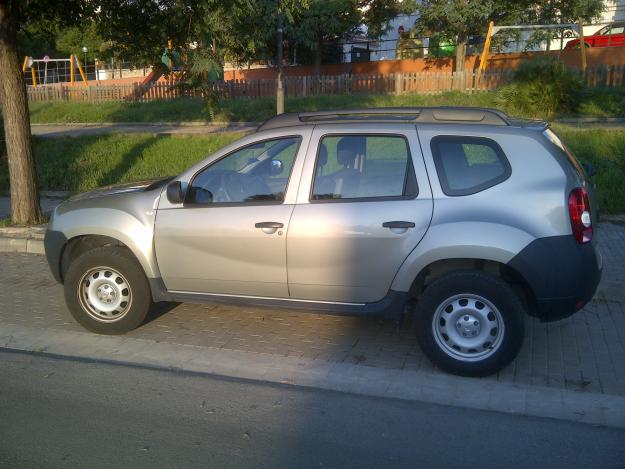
(579, 211)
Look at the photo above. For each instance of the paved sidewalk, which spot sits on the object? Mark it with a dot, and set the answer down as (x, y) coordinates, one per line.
(582, 355)
(165, 128)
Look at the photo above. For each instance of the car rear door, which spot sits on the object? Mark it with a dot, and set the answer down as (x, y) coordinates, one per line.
(363, 205)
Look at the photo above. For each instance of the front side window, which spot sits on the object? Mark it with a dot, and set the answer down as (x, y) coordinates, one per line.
(255, 173)
(467, 165)
(363, 167)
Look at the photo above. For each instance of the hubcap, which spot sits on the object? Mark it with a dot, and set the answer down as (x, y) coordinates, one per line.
(468, 327)
(105, 294)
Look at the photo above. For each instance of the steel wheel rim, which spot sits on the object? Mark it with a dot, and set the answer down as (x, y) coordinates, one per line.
(105, 294)
(468, 327)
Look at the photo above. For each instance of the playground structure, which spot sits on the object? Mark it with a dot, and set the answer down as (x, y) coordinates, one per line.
(48, 71)
(576, 28)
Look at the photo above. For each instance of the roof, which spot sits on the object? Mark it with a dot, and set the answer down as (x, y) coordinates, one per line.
(442, 114)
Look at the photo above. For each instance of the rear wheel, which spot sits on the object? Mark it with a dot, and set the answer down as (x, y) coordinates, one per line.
(106, 290)
(470, 323)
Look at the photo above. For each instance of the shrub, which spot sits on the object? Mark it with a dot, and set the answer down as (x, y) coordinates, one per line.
(541, 88)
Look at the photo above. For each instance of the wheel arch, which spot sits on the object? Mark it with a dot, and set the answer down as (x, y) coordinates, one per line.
(79, 244)
(440, 267)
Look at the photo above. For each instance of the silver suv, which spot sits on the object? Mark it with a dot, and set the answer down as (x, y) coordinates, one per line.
(464, 215)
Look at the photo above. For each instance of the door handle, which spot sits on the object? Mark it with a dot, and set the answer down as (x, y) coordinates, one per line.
(398, 224)
(269, 224)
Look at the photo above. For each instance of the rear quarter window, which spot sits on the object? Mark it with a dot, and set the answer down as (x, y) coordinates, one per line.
(467, 165)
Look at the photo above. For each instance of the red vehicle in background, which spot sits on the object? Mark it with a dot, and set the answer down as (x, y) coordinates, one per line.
(612, 35)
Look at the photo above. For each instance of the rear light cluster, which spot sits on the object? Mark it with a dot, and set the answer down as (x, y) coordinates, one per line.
(579, 211)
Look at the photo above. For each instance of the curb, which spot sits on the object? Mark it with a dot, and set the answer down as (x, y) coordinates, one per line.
(443, 389)
(23, 239)
(148, 124)
(590, 120)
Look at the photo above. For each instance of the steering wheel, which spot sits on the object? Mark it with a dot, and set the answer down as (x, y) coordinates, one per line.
(234, 186)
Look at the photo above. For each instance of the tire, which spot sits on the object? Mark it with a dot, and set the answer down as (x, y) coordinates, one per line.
(470, 323)
(106, 291)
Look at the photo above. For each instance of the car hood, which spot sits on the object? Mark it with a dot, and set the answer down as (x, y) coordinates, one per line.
(137, 186)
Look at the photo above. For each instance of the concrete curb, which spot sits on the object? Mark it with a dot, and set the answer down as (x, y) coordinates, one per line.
(537, 401)
(22, 239)
(145, 124)
(590, 120)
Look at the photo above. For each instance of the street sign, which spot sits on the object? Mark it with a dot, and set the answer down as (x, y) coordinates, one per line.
(46, 58)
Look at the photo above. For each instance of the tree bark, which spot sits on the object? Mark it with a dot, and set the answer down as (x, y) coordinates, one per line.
(22, 175)
(317, 65)
(461, 54)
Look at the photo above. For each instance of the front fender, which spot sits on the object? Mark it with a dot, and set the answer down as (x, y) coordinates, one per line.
(462, 240)
(129, 219)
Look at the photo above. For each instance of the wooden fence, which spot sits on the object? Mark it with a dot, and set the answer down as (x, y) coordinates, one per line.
(296, 86)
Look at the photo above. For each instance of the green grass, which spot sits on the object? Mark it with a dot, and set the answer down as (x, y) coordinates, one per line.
(80, 164)
(605, 150)
(83, 163)
(604, 102)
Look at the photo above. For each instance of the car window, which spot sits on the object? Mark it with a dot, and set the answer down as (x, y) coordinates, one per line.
(467, 165)
(363, 167)
(617, 30)
(255, 173)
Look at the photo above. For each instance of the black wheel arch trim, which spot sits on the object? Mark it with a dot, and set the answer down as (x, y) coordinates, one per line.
(562, 274)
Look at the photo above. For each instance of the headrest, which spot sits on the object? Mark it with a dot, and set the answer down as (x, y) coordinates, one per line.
(322, 159)
(348, 148)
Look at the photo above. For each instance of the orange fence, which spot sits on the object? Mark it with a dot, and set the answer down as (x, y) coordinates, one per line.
(296, 86)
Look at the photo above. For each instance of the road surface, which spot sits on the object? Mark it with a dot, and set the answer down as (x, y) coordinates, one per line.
(62, 413)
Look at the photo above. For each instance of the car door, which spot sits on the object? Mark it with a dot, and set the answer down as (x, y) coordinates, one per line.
(229, 237)
(363, 205)
(617, 37)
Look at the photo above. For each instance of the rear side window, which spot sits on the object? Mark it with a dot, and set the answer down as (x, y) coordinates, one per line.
(467, 165)
(363, 167)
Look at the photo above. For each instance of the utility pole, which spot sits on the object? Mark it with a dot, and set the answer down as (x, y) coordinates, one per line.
(280, 90)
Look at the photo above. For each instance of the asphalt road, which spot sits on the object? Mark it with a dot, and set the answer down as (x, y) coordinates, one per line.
(62, 413)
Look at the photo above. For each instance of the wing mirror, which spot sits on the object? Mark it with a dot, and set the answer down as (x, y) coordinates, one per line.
(175, 194)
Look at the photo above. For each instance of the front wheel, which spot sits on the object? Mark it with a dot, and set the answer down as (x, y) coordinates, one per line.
(106, 290)
(470, 323)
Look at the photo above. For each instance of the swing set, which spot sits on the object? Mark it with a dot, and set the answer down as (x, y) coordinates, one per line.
(48, 71)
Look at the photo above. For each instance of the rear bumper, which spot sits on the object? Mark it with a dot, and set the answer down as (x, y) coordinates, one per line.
(53, 243)
(562, 274)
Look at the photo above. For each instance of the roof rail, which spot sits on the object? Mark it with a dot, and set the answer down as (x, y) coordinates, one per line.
(429, 115)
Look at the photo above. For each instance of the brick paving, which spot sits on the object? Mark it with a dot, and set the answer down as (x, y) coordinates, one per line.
(583, 353)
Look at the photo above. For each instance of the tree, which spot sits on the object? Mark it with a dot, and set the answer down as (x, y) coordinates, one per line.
(560, 12)
(456, 20)
(328, 21)
(17, 15)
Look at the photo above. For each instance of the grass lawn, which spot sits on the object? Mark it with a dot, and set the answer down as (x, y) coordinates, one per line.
(83, 163)
(595, 102)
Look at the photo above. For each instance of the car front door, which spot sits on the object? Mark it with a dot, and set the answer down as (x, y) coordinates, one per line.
(229, 236)
(363, 205)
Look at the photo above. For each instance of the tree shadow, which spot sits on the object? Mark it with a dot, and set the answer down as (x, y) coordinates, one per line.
(129, 159)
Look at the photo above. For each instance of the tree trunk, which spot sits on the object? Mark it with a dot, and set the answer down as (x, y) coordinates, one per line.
(317, 64)
(22, 175)
(461, 53)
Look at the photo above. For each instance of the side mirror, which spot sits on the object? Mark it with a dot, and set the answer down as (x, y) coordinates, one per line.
(175, 195)
(276, 167)
(590, 169)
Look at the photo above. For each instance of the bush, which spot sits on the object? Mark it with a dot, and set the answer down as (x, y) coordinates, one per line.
(542, 88)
